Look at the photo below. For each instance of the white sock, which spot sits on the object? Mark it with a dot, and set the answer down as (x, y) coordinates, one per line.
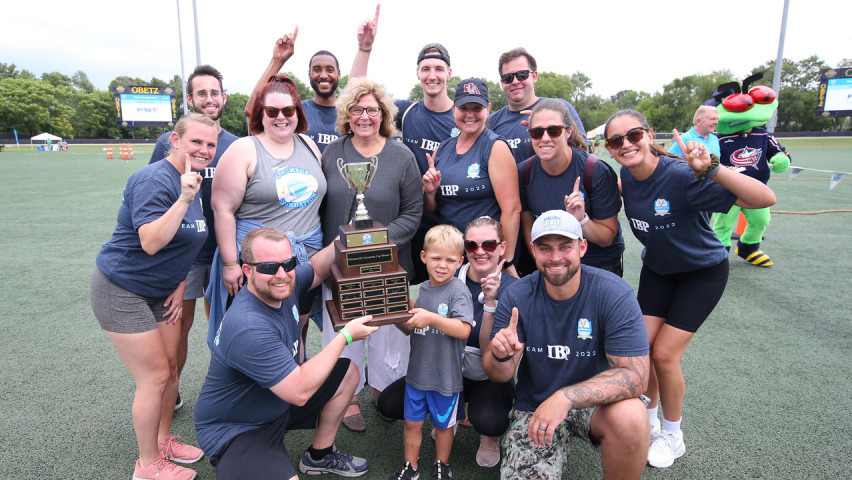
(673, 427)
(652, 418)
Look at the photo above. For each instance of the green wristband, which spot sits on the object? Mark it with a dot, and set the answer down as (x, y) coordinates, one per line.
(346, 335)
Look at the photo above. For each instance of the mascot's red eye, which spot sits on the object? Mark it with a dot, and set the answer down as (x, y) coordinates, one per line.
(762, 94)
(738, 102)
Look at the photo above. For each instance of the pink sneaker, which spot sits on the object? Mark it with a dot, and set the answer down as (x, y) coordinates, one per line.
(175, 450)
(162, 469)
(488, 454)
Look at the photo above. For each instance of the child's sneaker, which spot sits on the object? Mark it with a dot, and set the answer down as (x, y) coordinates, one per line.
(162, 469)
(441, 471)
(336, 462)
(407, 473)
(175, 450)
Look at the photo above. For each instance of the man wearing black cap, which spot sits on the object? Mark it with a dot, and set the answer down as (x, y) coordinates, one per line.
(517, 69)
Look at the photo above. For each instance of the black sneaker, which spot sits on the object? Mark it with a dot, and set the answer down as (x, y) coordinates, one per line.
(178, 402)
(407, 473)
(336, 462)
(441, 471)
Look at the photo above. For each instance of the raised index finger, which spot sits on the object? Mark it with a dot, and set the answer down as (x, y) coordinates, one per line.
(295, 33)
(188, 164)
(513, 321)
(429, 161)
(577, 185)
(679, 141)
(376, 17)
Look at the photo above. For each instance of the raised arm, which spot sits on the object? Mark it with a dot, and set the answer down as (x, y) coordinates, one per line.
(366, 36)
(750, 192)
(157, 234)
(281, 52)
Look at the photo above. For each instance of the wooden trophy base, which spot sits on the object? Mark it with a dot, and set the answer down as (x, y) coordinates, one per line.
(339, 323)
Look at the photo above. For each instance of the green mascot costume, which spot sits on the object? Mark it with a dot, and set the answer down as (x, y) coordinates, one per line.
(746, 145)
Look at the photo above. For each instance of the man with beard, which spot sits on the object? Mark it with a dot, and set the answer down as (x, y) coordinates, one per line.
(324, 75)
(518, 75)
(205, 93)
(256, 390)
(578, 336)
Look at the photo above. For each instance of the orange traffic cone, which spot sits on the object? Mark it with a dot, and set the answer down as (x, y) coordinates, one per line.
(109, 151)
(130, 147)
(741, 225)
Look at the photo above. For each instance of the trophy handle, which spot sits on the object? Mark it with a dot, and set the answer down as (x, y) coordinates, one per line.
(374, 166)
(340, 169)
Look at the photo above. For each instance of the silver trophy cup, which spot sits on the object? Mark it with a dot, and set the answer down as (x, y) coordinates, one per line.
(358, 176)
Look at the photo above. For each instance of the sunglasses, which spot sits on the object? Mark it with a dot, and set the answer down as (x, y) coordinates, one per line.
(272, 112)
(271, 268)
(553, 131)
(521, 75)
(489, 246)
(634, 135)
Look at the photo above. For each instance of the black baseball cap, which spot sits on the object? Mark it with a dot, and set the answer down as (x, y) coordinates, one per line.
(471, 90)
(441, 53)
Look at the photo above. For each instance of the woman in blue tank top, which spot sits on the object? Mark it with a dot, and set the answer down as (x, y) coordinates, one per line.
(474, 174)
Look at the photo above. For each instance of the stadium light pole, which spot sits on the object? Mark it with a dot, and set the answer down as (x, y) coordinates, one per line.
(180, 47)
(779, 62)
(197, 42)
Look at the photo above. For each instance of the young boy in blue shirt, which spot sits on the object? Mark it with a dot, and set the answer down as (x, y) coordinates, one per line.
(443, 318)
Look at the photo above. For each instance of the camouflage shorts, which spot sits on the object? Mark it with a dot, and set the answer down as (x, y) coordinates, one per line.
(522, 459)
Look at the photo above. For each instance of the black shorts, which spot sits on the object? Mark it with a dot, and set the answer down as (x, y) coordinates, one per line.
(256, 453)
(685, 299)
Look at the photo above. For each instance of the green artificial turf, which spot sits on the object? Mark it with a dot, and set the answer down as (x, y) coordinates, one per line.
(768, 387)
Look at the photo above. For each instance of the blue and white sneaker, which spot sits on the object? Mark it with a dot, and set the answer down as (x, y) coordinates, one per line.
(336, 462)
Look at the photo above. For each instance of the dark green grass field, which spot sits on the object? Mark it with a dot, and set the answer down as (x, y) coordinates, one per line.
(768, 375)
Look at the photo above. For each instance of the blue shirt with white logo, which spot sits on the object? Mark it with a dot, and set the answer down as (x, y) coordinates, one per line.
(149, 193)
(255, 348)
(466, 192)
(665, 213)
(322, 121)
(567, 341)
(423, 130)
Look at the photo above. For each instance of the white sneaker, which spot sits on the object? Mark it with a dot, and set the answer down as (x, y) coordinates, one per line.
(665, 448)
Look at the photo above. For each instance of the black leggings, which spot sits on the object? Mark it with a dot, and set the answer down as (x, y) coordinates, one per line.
(489, 404)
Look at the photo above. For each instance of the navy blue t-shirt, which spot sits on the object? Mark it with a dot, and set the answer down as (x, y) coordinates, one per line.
(547, 192)
(466, 192)
(665, 214)
(567, 341)
(256, 347)
(149, 193)
(322, 121)
(223, 141)
(507, 124)
(752, 151)
(423, 130)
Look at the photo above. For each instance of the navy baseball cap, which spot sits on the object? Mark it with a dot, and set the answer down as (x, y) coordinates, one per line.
(471, 90)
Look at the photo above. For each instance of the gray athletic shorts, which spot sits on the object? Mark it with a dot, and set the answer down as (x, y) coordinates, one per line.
(522, 459)
(196, 281)
(121, 311)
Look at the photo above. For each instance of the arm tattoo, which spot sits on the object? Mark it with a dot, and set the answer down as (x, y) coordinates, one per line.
(627, 378)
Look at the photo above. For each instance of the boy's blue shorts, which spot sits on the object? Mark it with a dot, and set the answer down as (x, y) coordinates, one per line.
(441, 408)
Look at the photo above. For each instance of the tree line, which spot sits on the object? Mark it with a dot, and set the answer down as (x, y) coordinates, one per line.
(72, 107)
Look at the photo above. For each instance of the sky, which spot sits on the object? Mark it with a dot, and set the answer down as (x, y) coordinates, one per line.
(618, 44)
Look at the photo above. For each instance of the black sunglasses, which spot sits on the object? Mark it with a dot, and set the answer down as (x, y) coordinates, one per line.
(272, 112)
(271, 268)
(489, 246)
(521, 75)
(634, 135)
(553, 131)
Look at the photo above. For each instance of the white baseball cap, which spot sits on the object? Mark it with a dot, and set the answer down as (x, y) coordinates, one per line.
(556, 222)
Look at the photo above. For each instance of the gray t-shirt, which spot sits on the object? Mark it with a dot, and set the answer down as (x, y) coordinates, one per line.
(285, 193)
(435, 362)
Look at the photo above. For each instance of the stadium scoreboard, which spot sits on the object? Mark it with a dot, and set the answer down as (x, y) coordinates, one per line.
(145, 106)
(835, 93)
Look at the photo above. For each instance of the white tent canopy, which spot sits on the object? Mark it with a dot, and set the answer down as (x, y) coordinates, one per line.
(594, 133)
(45, 136)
